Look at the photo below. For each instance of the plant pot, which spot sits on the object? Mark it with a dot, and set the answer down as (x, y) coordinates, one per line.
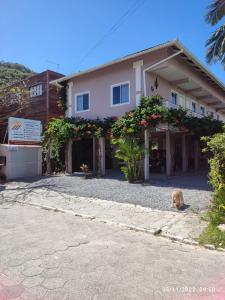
(87, 175)
(135, 181)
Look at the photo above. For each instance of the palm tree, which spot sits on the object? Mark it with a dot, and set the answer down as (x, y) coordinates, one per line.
(216, 43)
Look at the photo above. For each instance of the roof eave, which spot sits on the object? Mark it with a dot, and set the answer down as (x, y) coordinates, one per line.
(176, 43)
(118, 60)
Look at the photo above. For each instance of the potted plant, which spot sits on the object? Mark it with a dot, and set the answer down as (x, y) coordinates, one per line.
(85, 169)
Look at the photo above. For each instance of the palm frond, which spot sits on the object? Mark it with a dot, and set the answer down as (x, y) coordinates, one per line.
(216, 46)
(215, 12)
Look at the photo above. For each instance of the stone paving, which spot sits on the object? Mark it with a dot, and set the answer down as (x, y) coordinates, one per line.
(55, 256)
(179, 225)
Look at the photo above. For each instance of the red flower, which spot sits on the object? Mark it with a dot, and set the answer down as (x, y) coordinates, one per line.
(144, 122)
(155, 116)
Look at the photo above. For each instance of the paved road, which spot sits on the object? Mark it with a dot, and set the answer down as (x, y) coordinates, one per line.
(50, 255)
(156, 194)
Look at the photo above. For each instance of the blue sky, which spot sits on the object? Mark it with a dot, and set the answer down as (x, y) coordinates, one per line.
(36, 32)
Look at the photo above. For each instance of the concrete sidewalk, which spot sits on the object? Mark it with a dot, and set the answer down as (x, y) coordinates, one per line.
(55, 256)
(180, 226)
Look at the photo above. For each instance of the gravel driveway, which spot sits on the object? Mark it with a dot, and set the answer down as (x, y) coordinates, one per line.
(155, 194)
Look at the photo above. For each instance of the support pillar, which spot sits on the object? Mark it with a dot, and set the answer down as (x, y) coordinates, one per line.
(196, 154)
(68, 157)
(101, 156)
(184, 154)
(146, 162)
(94, 154)
(168, 154)
(69, 100)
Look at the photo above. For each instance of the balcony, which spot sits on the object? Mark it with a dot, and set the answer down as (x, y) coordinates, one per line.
(169, 104)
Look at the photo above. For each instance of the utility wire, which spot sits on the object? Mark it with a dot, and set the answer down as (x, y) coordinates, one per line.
(112, 29)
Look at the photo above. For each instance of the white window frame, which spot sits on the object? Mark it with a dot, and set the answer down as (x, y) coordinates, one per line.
(174, 92)
(196, 106)
(80, 94)
(200, 110)
(37, 87)
(119, 84)
(179, 96)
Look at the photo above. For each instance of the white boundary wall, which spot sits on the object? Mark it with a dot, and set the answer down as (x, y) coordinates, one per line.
(21, 161)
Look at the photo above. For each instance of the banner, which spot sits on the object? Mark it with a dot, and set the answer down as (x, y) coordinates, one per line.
(24, 130)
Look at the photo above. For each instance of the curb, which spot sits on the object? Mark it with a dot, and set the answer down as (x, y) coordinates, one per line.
(155, 232)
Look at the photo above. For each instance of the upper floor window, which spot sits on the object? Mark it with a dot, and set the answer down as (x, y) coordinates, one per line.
(120, 93)
(193, 107)
(36, 90)
(174, 98)
(202, 110)
(211, 114)
(82, 102)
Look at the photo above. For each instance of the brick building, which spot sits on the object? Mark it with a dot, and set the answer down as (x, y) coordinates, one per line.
(42, 104)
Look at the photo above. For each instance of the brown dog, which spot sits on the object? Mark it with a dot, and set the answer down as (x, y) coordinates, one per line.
(177, 199)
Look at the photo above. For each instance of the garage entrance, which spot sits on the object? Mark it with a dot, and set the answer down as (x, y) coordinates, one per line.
(82, 153)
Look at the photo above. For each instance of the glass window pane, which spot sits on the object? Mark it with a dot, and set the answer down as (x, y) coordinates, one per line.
(202, 110)
(116, 95)
(79, 103)
(85, 101)
(124, 93)
(40, 89)
(174, 98)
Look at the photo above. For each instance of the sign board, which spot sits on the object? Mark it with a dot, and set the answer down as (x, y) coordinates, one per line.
(24, 131)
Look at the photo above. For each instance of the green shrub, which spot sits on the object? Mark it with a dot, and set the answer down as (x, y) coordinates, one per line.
(216, 146)
(131, 152)
(212, 235)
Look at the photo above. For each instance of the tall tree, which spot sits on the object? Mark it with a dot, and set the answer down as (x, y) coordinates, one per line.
(216, 43)
(13, 98)
(14, 92)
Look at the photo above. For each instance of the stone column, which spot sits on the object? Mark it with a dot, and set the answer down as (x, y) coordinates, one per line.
(146, 162)
(94, 154)
(184, 154)
(69, 100)
(196, 154)
(101, 156)
(137, 65)
(168, 154)
(68, 156)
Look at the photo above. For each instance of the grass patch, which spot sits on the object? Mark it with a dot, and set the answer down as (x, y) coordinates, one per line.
(212, 235)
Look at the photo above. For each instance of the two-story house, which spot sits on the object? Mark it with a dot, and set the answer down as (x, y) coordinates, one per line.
(169, 70)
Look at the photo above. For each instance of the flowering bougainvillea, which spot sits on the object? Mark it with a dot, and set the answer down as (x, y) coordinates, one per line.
(60, 130)
(147, 115)
(151, 112)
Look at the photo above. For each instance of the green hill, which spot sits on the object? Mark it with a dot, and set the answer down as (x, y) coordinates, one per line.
(11, 72)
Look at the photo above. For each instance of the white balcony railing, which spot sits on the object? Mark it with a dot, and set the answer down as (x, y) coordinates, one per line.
(169, 104)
